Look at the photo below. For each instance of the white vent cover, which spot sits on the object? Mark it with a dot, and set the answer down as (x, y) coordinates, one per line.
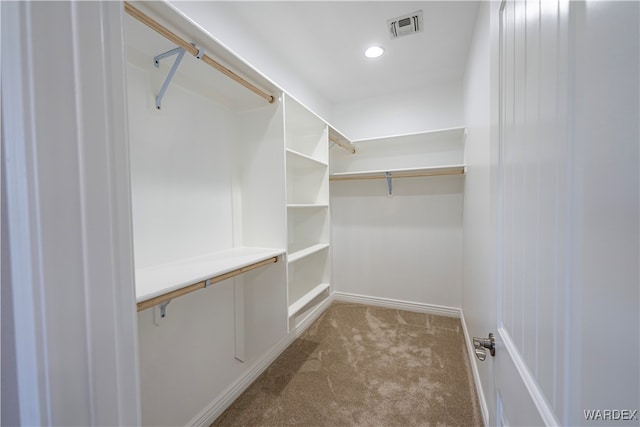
(405, 25)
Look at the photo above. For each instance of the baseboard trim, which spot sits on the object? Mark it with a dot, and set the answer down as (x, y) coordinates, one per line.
(209, 414)
(440, 310)
(537, 396)
(474, 369)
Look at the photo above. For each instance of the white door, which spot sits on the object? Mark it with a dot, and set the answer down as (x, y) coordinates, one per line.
(534, 206)
(567, 294)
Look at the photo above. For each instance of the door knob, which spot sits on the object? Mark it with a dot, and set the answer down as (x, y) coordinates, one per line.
(481, 345)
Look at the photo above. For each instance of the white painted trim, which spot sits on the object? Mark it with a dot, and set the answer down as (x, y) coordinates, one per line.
(209, 414)
(537, 397)
(439, 310)
(476, 373)
(68, 210)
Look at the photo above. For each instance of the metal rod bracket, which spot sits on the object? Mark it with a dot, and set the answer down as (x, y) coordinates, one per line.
(207, 283)
(156, 62)
(389, 183)
(200, 53)
(163, 308)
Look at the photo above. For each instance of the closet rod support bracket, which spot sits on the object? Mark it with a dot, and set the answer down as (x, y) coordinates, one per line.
(167, 54)
(163, 309)
(156, 61)
(389, 183)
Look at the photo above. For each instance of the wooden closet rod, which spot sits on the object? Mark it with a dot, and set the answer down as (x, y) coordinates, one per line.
(343, 145)
(398, 175)
(172, 37)
(200, 285)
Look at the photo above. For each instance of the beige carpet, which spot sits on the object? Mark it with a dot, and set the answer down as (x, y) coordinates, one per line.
(359, 365)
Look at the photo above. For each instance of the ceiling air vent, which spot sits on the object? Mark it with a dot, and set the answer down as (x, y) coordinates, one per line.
(405, 25)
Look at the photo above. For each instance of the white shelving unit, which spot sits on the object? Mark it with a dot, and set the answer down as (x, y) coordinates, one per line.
(307, 177)
(434, 152)
(196, 183)
(425, 154)
(208, 194)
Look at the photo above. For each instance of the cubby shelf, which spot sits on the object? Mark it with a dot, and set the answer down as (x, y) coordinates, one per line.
(295, 256)
(298, 305)
(307, 179)
(298, 160)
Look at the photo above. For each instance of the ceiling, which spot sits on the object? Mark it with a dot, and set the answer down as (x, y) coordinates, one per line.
(323, 43)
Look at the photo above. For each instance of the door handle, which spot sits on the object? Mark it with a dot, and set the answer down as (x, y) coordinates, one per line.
(481, 345)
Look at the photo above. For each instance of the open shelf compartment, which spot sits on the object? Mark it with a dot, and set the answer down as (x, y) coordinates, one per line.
(308, 278)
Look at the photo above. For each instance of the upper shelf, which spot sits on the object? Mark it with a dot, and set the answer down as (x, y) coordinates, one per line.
(399, 173)
(156, 281)
(412, 151)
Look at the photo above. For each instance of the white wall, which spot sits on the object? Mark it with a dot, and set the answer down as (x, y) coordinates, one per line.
(405, 247)
(218, 18)
(478, 267)
(180, 172)
(423, 109)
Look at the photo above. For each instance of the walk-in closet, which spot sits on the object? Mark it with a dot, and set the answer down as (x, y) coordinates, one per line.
(261, 213)
(239, 192)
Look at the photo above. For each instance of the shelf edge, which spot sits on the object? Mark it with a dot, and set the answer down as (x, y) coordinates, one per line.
(303, 253)
(302, 302)
(458, 169)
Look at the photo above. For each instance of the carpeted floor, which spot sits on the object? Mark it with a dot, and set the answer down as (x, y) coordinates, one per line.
(359, 365)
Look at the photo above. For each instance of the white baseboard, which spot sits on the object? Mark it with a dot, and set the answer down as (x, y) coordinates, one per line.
(474, 369)
(209, 414)
(398, 304)
(544, 408)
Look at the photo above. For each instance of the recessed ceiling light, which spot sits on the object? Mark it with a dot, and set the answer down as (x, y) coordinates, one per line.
(373, 52)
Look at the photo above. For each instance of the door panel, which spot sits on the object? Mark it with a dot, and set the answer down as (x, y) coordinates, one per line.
(569, 217)
(534, 191)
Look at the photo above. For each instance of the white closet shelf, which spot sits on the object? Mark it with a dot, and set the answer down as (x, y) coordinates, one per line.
(307, 205)
(307, 298)
(295, 256)
(152, 283)
(399, 173)
(299, 160)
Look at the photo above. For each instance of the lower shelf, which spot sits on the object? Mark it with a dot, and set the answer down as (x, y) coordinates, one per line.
(297, 306)
(155, 284)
